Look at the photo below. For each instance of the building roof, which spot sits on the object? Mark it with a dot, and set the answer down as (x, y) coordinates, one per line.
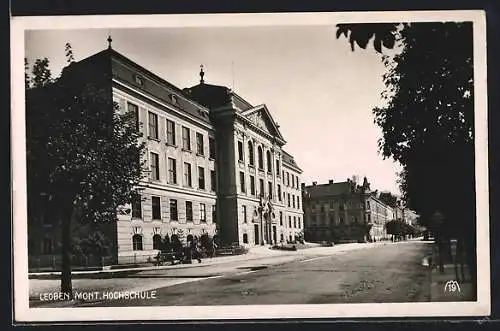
(329, 189)
(290, 161)
(125, 70)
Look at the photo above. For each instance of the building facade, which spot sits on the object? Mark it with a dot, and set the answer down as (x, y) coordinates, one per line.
(343, 212)
(216, 165)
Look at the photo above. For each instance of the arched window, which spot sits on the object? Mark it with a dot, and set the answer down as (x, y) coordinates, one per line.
(269, 162)
(189, 238)
(250, 153)
(137, 242)
(157, 241)
(260, 158)
(245, 238)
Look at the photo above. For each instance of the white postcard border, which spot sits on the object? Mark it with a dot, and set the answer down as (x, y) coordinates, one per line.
(21, 288)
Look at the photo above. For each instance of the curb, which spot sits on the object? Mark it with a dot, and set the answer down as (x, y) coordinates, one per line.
(109, 273)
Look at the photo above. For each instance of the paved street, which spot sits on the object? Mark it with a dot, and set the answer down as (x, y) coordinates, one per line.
(357, 273)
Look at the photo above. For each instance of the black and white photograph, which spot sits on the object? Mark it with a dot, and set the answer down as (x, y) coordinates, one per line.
(250, 166)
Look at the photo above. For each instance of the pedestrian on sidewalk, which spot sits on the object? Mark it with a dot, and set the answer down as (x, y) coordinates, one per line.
(195, 249)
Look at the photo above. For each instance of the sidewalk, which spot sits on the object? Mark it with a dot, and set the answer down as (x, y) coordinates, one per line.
(444, 287)
(254, 253)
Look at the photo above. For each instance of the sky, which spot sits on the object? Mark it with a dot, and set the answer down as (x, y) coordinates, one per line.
(317, 89)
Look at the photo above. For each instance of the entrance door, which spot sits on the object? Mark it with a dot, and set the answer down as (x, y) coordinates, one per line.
(275, 237)
(256, 234)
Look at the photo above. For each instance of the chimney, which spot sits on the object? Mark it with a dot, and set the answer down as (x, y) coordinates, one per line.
(330, 181)
(314, 183)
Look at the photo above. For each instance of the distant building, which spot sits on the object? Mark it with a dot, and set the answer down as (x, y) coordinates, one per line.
(344, 211)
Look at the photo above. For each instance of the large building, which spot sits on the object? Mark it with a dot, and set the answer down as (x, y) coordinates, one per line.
(343, 212)
(216, 165)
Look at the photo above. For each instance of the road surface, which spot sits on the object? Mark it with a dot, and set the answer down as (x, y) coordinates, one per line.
(391, 272)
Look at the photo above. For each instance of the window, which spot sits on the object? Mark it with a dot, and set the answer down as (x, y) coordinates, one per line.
(187, 174)
(322, 208)
(189, 211)
(242, 182)
(136, 207)
(213, 180)
(270, 189)
(240, 151)
(171, 132)
(269, 162)
(201, 178)
(47, 247)
(174, 215)
(287, 179)
(279, 192)
(139, 80)
(135, 109)
(369, 217)
(283, 173)
(252, 185)
(200, 148)
(173, 98)
(288, 196)
(294, 222)
(214, 213)
(137, 242)
(244, 213)
(250, 154)
(155, 166)
(298, 222)
(278, 168)
(153, 125)
(172, 171)
(298, 203)
(157, 241)
(297, 180)
(281, 218)
(368, 205)
(260, 158)
(211, 147)
(261, 187)
(293, 201)
(155, 202)
(289, 221)
(186, 139)
(203, 213)
(245, 238)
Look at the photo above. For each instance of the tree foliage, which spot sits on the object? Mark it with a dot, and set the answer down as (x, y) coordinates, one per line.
(41, 73)
(427, 122)
(383, 34)
(400, 228)
(84, 154)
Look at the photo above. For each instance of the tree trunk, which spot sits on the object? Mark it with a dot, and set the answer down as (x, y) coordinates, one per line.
(66, 286)
(67, 248)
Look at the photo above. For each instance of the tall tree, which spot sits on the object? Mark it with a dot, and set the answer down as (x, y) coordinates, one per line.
(83, 153)
(427, 124)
